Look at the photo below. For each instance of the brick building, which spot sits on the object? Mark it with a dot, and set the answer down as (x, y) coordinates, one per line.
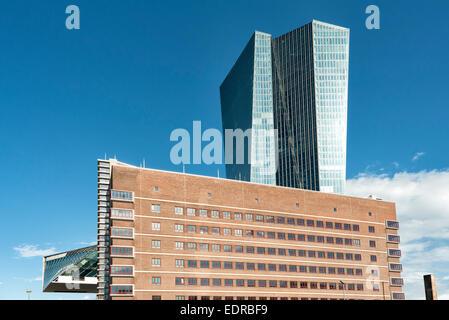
(167, 235)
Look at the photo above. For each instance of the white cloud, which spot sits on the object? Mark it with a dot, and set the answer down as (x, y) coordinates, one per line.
(30, 251)
(422, 204)
(417, 156)
(90, 243)
(28, 279)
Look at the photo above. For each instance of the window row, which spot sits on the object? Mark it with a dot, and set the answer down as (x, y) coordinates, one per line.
(122, 251)
(122, 232)
(122, 214)
(206, 247)
(122, 270)
(121, 195)
(179, 281)
(204, 264)
(156, 226)
(269, 219)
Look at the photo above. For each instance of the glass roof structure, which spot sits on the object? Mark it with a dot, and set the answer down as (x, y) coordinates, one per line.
(71, 271)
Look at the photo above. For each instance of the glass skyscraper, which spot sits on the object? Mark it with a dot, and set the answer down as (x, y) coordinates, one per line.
(296, 84)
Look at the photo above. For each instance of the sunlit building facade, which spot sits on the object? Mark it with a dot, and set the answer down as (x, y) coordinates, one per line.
(175, 236)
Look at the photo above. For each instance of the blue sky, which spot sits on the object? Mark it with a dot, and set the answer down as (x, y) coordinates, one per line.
(136, 70)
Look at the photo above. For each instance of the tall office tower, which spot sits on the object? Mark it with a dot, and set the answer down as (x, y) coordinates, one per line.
(307, 102)
(247, 103)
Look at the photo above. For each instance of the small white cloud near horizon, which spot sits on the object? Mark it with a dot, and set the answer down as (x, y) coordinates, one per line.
(31, 251)
(88, 243)
(418, 155)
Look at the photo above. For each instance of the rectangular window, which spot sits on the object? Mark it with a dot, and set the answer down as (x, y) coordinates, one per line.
(191, 229)
(227, 248)
(121, 290)
(122, 270)
(392, 224)
(155, 244)
(203, 230)
(310, 223)
(179, 228)
(271, 235)
(191, 212)
(394, 252)
(156, 281)
(191, 246)
(238, 232)
(259, 234)
(156, 262)
(122, 251)
(121, 195)
(393, 238)
(215, 214)
(329, 225)
(228, 282)
(249, 233)
(337, 225)
(204, 282)
(216, 264)
(355, 227)
(156, 226)
(226, 215)
(203, 213)
(371, 229)
(241, 266)
(191, 264)
(237, 216)
(261, 266)
(204, 264)
(249, 249)
(238, 249)
(347, 226)
(259, 218)
(319, 224)
(155, 208)
(122, 233)
(122, 214)
(270, 219)
(216, 247)
(215, 230)
(179, 211)
(179, 245)
(372, 243)
(248, 217)
(280, 220)
(179, 263)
